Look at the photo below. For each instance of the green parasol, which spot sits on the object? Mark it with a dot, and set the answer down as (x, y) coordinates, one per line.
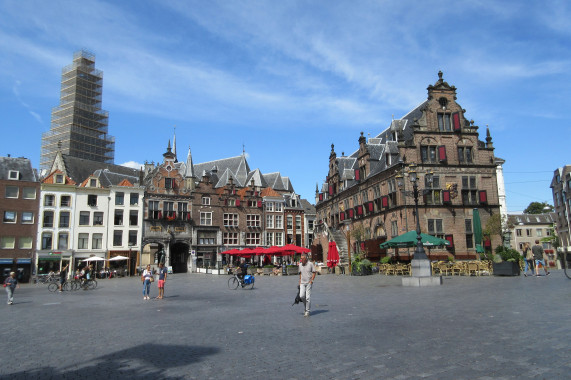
(409, 240)
(477, 231)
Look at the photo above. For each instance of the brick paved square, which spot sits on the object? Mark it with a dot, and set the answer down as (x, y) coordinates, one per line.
(361, 328)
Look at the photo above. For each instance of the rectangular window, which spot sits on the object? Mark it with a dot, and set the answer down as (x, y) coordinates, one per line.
(252, 220)
(13, 174)
(206, 238)
(119, 199)
(518, 232)
(97, 218)
(432, 192)
(298, 222)
(134, 199)
(154, 210)
(169, 182)
(65, 201)
(62, 240)
(92, 200)
(25, 242)
(469, 233)
(230, 238)
(270, 206)
(117, 238)
(279, 239)
(269, 238)
(279, 222)
(269, 221)
(394, 228)
(83, 241)
(97, 241)
(183, 212)
(12, 192)
(93, 182)
(49, 200)
(64, 219)
(444, 122)
(205, 218)
(84, 218)
(278, 206)
(29, 193)
(7, 242)
(9, 216)
(289, 222)
(168, 210)
(47, 240)
(465, 154)
(27, 217)
(230, 220)
(118, 218)
(252, 238)
(469, 190)
(539, 232)
(48, 219)
(133, 217)
(435, 228)
(428, 153)
(528, 231)
(206, 201)
(132, 238)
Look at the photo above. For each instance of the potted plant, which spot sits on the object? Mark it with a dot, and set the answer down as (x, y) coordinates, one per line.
(506, 262)
(361, 267)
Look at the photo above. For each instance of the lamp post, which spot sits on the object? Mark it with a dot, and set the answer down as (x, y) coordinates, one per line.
(420, 264)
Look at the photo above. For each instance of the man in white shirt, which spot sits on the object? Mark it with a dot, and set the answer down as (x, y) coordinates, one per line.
(306, 276)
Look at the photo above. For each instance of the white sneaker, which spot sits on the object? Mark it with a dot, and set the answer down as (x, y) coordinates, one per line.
(306, 314)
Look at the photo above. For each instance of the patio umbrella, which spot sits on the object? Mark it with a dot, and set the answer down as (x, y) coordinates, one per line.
(94, 258)
(408, 239)
(332, 255)
(295, 248)
(232, 251)
(477, 231)
(118, 258)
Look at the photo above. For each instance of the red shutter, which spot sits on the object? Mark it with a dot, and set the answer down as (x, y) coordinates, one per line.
(237, 203)
(385, 201)
(350, 213)
(487, 243)
(174, 214)
(330, 189)
(456, 121)
(320, 197)
(442, 153)
(483, 196)
(160, 215)
(260, 204)
(188, 216)
(371, 206)
(450, 239)
(357, 175)
(362, 246)
(341, 216)
(359, 210)
(446, 196)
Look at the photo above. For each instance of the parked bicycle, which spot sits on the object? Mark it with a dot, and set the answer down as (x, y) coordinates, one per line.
(235, 281)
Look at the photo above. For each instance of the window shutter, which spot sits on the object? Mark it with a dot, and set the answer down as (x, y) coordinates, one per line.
(330, 189)
(237, 203)
(362, 246)
(342, 216)
(487, 243)
(385, 201)
(260, 203)
(160, 215)
(188, 216)
(450, 239)
(350, 213)
(483, 196)
(320, 197)
(225, 202)
(174, 214)
(371, 207)
(446, 196)
(442, 153)
(357, 175)
(359, 210)
(456, 121)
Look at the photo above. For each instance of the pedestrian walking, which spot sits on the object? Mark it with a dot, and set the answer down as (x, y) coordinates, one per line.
(528, 259)
(147, 278)
(162, 280)
(538, 256)
(62, 276)
(10, 283)
(307, 274)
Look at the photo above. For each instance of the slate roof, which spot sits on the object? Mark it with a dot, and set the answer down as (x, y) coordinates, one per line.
(79, 169)
(108, 178)
(20, 164)
(530, 219)
(237, 167)
(308, 208)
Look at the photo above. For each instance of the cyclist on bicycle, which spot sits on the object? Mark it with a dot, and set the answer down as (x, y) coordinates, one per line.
(243, 270)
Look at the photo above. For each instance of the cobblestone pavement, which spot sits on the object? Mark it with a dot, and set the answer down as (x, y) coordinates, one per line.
(360, 328)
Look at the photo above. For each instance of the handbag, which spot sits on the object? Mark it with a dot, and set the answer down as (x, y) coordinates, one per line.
(152, 279)
(142, 278)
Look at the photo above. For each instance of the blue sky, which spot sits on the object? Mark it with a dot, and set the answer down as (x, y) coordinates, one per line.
(288, 78)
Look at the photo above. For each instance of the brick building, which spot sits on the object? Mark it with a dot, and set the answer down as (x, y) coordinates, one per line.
(561, 190)
(19, 195)
(365, 199)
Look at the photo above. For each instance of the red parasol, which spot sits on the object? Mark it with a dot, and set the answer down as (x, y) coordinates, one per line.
(332, 255)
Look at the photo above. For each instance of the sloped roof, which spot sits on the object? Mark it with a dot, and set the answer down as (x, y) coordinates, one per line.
(269, 192)
(20, 164)
(530, 219)
(307, 207)
(275, 181)
(50, 179)
(79, 169)
(108, 178)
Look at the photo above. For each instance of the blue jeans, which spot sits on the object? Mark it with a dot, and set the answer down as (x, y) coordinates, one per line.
(146, 287)
(529, 264)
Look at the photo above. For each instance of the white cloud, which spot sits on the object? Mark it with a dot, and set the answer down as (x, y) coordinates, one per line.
(132, 165)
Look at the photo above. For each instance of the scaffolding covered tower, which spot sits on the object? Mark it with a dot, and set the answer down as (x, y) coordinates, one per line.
(79, 127)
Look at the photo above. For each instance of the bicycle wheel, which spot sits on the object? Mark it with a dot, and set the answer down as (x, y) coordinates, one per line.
(92, 284)
(250, 285)
(66, 286)
(233, 283)
(53, 287)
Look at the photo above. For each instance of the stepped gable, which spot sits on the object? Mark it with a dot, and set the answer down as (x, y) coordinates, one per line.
(50, 179)
(79, 169)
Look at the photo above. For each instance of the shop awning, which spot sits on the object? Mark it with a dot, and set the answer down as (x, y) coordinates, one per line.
(6, 261)
(24, 261)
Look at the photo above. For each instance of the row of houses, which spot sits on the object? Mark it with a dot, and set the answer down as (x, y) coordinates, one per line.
(177, 212)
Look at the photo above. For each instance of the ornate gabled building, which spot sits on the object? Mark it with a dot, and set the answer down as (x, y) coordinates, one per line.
(365, 199)
(196, 211)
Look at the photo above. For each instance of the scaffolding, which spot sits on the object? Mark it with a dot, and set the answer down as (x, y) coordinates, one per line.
(79, 127)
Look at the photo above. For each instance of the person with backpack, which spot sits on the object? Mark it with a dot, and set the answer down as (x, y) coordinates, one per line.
(528, 258)
(538, 255)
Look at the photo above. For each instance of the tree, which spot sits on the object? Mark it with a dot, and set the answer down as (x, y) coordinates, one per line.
(553, 238)
(538, 208)
(494, 226)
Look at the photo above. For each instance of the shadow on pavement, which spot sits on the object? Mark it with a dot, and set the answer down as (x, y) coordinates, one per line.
(140, 362)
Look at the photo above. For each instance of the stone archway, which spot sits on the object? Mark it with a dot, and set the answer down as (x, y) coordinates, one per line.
(179, 256)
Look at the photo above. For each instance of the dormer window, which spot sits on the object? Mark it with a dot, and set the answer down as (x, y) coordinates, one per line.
(59, 178)
(93, 182)
(14, 175)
